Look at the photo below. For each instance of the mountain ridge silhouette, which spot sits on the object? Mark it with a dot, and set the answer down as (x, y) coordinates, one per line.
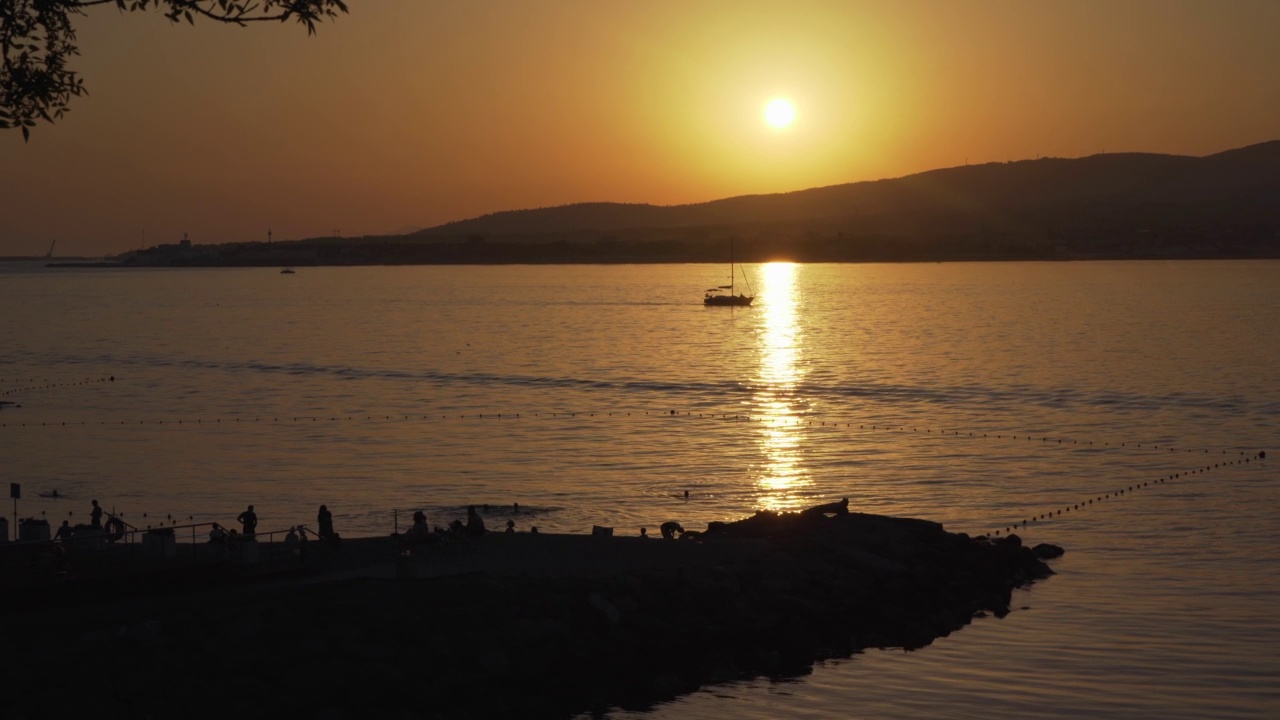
(1243, 183)
(1106, 206)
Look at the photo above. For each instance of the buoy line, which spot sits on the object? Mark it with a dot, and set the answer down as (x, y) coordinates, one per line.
(52, 386)
(1057, 512)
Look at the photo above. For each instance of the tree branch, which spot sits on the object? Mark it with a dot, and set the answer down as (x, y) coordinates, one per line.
(37, 39)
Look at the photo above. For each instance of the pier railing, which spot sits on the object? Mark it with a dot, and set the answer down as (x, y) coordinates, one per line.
(120, 548)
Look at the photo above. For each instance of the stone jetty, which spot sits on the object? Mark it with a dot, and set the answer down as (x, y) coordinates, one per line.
(505, 625)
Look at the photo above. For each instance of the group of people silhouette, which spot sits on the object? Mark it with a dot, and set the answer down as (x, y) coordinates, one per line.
(249, 528)
(472, 526)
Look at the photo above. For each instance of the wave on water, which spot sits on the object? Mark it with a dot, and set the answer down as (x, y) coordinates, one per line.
(986, 397)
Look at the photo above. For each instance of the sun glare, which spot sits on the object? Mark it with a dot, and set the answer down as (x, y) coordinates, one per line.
(779, 113)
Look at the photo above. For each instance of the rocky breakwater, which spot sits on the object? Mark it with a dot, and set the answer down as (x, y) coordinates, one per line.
(525, 625)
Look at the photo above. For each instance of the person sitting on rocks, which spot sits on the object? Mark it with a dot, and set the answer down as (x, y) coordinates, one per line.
(64, 532)
(217, 534)
(669, 530)
(417, 535)
(419, 528)
(324, 521)
(475, 523)
(220, 539)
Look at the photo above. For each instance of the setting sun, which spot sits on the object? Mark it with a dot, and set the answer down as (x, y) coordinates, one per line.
(779, 113)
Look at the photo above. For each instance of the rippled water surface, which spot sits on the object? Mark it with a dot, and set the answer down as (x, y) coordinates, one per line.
(977, 395)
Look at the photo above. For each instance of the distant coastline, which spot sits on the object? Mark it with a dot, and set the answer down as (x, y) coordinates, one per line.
(1102, 207)
(365, 253)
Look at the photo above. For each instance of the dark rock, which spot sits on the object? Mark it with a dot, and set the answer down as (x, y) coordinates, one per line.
(1045, 551)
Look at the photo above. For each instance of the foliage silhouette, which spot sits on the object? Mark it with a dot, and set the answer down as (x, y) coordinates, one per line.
(38, 40)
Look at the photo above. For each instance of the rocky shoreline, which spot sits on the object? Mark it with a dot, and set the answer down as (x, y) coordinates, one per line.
(514, 625)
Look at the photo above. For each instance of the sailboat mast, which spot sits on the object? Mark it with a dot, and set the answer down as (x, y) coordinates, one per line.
(731, 273)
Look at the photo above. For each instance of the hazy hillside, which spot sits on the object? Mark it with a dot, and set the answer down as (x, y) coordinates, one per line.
(1106, 206)
(1116, 191)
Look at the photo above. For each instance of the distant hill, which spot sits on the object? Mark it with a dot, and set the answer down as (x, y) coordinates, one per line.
(1130, 205)
(1045, 200)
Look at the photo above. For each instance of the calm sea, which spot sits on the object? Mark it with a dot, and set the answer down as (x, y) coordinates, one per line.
(977, 395)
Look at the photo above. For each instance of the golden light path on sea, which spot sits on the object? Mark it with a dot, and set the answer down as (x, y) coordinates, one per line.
(783, 475)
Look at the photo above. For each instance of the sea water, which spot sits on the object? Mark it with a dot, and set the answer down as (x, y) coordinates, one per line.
(991, 397)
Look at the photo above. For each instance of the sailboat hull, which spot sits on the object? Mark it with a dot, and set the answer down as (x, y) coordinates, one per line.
(728, 300)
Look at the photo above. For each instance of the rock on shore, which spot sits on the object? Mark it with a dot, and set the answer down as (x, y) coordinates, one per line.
(518, 625)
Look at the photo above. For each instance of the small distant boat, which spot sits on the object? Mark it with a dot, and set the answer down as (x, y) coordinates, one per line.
(286, 271)
(716, 296)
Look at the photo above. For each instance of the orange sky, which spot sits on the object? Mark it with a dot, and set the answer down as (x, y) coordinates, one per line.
(409, 113)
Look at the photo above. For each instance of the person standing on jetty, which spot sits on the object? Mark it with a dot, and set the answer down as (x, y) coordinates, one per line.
(95, 517)
(324, 520)
(249, 521)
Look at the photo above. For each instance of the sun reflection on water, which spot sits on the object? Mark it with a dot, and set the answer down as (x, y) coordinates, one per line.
(783, 475)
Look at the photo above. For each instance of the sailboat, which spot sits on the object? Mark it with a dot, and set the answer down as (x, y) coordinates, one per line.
(716, 295)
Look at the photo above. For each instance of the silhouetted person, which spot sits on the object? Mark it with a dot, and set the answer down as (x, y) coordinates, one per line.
(291, 539)
(249, 521)
(218, 534)
(511, 526)
(475, 524)
(324, 520)
(644, 533)
(64, 532)
(419, 528)
(669, 530)
(95, 517)
(515, 508)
